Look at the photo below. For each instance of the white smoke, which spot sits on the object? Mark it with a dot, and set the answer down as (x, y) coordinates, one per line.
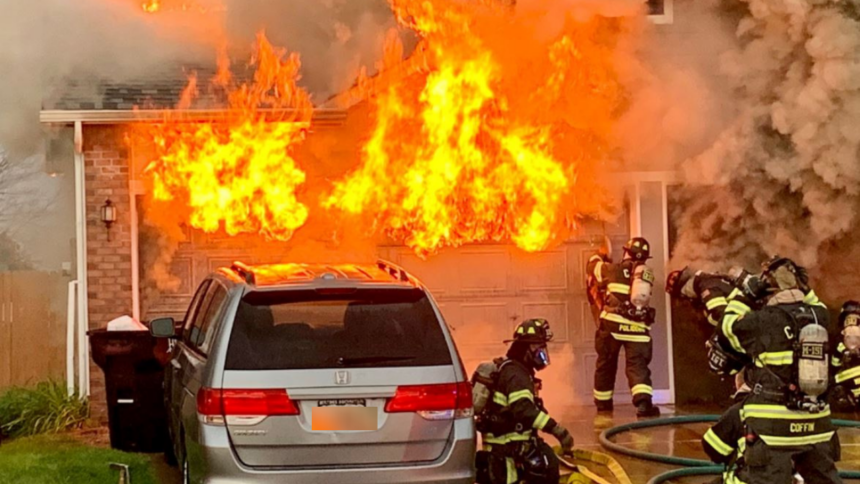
(783, 176)
(57, 49)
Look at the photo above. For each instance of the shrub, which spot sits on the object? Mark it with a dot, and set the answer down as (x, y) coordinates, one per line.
(45, 408)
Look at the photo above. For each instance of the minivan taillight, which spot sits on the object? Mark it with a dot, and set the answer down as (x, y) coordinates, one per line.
(243, 406)
(433, 402)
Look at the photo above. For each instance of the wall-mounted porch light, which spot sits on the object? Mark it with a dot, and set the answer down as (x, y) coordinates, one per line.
(108, 212)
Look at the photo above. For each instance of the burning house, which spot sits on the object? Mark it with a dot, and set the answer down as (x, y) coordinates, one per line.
(494, 200)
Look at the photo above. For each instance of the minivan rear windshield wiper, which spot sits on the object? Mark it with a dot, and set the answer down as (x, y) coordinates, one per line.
(372, 359)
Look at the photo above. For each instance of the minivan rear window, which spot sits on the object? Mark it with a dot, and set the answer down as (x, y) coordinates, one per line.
(308, 329)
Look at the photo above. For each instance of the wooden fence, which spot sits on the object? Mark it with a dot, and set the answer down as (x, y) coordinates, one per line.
(32, 327)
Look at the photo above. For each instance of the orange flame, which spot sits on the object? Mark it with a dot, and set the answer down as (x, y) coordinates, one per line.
(481, 147)
(151, 6)
(238, 173)
(155, 6)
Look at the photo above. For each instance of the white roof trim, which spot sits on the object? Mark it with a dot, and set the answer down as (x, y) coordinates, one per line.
(321, 116)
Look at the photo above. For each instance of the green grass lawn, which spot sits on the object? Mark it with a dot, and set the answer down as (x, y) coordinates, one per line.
(57, 459)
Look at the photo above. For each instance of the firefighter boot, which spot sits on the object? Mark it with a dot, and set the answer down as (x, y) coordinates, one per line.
(604, 405)
(647, 409)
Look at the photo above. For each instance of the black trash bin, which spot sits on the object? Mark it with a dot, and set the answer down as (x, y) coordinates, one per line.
(134, 383)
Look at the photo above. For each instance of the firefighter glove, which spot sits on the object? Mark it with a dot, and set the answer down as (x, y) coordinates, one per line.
(564, 438)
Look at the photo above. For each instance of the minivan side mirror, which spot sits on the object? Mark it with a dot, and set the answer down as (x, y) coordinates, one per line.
(163, 328)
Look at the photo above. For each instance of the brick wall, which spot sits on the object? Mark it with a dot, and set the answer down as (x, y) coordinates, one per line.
(106, 158)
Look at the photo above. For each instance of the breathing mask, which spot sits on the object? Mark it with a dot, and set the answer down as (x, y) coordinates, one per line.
(540, 358)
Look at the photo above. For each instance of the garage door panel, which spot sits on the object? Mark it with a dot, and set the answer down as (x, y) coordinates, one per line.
(214, 263)
(183, 269)
(584, 255)
(482, 291)
(222, 239)
(544, 271)
(554, 312)
(621, 388)
(586, 323)
(451, 315)
(439, 274)
(483, 324)
(484, 271)
(587, 374)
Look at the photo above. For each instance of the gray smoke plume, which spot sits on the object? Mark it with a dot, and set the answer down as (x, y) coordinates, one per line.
(334, 37)
(783, 176)
(58, 49)
(46, 45)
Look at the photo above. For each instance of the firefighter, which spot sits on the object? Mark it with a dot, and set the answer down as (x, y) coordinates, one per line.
(724, 442)
(595, 292)
(846, 358)
(785, 348)
(625, 321)
(708, 292)
(513, 450)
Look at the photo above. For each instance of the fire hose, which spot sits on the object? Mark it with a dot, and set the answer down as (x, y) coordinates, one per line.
(582, 475)
(692, 467)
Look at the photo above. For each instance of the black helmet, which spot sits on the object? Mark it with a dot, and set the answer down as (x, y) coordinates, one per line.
(638, 248)
(677, 280)
(533, 331)
(850, 314)
(770, 268)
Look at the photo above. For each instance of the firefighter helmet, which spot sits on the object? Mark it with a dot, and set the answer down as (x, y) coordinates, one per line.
(638, 248)
(783, 273)
(850, 314)
(533, 331)
(677, 280)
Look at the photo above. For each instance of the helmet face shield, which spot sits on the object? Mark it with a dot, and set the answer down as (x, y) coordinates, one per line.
(540, 358)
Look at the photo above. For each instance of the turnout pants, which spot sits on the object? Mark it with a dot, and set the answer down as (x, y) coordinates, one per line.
(638, 357)
(508, 466)
(776, 465)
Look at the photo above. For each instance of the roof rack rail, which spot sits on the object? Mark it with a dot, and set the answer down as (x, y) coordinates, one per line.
(393, 269)
(244, 271)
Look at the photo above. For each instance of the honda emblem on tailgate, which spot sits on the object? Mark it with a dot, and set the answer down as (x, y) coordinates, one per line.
(341, 377)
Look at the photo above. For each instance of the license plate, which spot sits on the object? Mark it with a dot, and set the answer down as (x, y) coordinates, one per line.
(349, 402)
(339, 417)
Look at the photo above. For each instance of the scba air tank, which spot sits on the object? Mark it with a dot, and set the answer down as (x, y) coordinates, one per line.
(482, 381)
(812, 369)
(642, 286)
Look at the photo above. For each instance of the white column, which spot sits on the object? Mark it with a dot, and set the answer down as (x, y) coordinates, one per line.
(81, 241)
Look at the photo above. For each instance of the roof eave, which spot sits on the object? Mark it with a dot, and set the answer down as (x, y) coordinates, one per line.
(321, 116)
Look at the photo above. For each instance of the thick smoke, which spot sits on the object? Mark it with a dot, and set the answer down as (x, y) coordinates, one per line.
(677, 105)
(783, 176)
(57, 49)
(47, 44)
(335, 38)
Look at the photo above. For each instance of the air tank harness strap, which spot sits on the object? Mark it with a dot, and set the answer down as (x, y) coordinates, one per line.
(581, 474)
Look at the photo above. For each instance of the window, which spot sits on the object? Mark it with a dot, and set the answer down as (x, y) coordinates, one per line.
(209, 320)
(367, 328)
(193, 309)
(661, 11)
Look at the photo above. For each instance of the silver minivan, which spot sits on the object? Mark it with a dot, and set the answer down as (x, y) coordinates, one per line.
(307, 373)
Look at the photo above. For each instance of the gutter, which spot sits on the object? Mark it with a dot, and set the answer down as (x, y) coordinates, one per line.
(321, 117)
